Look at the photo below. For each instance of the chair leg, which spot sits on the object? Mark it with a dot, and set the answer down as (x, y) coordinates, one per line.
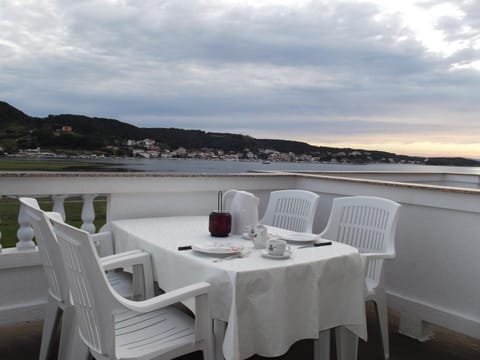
(50, 324)
(143, 281)
(381, 306)
(209, 346)
(208, 352)
(321, 349)
(79, 349)
(71, 345)
(67, 334)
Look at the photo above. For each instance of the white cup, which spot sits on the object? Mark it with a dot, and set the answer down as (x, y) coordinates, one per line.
(276, 247)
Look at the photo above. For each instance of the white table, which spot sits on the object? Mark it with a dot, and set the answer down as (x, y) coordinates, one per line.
(268, 304)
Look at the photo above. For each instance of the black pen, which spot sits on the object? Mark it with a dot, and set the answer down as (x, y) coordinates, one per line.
(323, 243)
(187, 247)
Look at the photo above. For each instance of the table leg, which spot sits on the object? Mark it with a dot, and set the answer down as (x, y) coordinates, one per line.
(321, 349)
(346, 343)
(219, 328)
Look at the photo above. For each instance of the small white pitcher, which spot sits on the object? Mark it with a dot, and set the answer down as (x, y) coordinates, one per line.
(260, 237)
(243, 207)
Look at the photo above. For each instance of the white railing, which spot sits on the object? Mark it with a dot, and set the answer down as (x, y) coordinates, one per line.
(25, 233)
(458, 180)
(437, 243)
(179, 190)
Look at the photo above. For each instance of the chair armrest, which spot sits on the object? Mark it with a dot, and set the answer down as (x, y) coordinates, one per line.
(103, 242)
(127, 258)
(141, 264)
(166, 299)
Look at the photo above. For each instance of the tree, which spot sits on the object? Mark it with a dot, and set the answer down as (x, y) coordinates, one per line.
(9, 146)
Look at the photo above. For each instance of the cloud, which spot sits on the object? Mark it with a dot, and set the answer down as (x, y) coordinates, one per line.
(358, 69)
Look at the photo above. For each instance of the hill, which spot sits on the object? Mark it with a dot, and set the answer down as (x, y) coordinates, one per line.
(20, 130)
(73, 133)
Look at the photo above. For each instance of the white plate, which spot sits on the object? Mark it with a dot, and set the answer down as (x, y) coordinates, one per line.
(217, 248)
(299, 237)
(286, 255)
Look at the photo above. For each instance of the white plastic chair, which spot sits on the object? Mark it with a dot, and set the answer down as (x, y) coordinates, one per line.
(117, 328)
(291, 209)
(59, 299)
(367, 223)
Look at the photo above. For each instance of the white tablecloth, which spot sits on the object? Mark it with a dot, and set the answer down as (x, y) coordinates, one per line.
(268, 304)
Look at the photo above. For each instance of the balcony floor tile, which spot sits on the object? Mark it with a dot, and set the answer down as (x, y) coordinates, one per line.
(22, 341)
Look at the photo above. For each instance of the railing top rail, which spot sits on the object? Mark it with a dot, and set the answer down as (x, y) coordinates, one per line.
(57, 174)
(336, 176)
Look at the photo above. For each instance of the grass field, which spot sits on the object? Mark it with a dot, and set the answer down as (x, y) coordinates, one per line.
(73, 208)
(14, 164)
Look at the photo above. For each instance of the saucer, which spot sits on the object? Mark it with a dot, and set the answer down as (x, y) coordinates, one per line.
(286, 255)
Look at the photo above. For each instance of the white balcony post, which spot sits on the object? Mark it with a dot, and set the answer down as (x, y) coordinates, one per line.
(25, 232)
(59, 204)
(88, 213)
(0, 231)
(0, 242)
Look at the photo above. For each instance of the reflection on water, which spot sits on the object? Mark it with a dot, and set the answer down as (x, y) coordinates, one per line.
(216, 166)
(224, 166)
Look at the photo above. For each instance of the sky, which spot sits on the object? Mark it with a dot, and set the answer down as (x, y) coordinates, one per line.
(400, 76)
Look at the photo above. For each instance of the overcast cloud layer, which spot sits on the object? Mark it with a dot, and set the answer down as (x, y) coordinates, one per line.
(400, 76)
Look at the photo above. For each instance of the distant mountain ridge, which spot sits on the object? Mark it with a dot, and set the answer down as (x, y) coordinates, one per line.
(21, 131)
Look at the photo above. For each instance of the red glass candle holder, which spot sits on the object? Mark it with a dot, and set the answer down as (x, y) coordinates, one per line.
(219, 223)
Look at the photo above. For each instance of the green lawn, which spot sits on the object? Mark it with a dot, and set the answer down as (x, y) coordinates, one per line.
(14, 164)
(73, 208)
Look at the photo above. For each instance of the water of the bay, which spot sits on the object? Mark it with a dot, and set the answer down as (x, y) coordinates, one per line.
(219, 166)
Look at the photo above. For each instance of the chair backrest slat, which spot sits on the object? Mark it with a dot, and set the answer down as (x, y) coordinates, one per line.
(90, 290)
(367, 223)
(48, 249)
(291, 209)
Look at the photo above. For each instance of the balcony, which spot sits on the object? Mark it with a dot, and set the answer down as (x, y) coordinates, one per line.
(22, 341)
(431, 284)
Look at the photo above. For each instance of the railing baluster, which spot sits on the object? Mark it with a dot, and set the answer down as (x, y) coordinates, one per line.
(59, 204)
(0, 231)
(88, 213)
(1, 197)
(25, 232)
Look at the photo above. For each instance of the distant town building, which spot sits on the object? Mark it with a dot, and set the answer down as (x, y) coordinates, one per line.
(181, 151)
(146, 143)
(64, 129)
